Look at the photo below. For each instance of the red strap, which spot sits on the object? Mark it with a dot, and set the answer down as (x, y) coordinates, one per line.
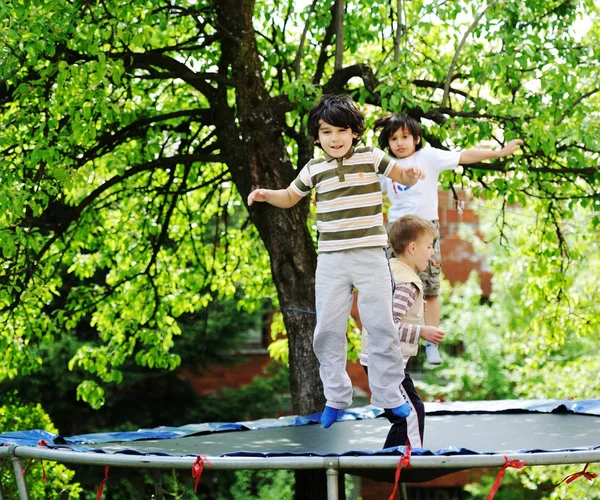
(101, 487)
(571, 477)
(22, 473)
(516, 464)
(43, 471)
(404, 461)
(41, 442)
(197, 469)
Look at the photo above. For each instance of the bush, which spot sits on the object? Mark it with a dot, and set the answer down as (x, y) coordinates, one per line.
(14, 416)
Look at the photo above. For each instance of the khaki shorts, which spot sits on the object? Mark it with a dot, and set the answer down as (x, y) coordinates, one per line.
(431, 275)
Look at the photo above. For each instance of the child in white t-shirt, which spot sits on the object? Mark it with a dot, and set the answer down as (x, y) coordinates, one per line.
(402, 135)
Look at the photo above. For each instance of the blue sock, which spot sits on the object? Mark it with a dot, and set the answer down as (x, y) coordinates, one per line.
(402, 411)
(329, 416)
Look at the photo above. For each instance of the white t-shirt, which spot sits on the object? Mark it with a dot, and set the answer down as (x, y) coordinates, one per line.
(422, 198)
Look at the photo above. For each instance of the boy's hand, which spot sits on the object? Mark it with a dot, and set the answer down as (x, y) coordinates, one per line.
(258, 195)
(432, 334)
(414, 173)
(510, 147)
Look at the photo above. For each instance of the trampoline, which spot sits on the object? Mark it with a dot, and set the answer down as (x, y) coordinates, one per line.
(457, 436)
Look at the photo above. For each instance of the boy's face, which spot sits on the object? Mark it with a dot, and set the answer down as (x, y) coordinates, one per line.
(423, 251)
(402, 143)
(335, 141)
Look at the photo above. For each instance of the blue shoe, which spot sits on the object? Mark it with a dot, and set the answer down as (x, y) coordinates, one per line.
(402, 411)
(329, 416)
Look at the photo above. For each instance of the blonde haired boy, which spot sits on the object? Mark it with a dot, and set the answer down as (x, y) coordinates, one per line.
(412, 238)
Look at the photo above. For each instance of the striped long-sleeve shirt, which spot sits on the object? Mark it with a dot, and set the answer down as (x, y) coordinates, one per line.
(405, 295)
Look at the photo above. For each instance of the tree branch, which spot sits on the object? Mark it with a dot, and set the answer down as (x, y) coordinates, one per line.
(459, 48)
(339, 34)
(300, 50)
(323, 56)
(399, 29)
(576, 102)
(136, 129)
(75, 213)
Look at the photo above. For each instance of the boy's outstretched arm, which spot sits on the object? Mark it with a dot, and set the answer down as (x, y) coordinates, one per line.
(475, 155)
(281, 198)
(407, 176)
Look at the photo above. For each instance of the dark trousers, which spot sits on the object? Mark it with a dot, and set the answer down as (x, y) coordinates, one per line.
(399, 433)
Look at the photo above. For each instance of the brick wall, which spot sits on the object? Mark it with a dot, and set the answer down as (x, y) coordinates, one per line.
(458, 256)
(232, 375)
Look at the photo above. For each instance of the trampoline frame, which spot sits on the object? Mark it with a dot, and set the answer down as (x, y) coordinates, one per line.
(331, 465)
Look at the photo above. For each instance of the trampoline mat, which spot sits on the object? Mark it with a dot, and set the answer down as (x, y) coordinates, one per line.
(459, 428)
(481, 433)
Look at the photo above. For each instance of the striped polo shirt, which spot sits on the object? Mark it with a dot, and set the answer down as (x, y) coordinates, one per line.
(348, 195)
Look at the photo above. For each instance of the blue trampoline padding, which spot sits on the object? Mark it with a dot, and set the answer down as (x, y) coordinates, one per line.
(579, 406)
(94, 442)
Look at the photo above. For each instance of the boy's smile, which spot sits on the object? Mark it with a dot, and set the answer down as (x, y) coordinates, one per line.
(335, 141)
(402, 143)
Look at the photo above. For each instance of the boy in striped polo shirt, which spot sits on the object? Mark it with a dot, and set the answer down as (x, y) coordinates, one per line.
(352, 243)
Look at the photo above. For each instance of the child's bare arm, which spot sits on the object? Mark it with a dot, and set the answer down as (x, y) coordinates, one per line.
(282, 198)
(407, 176)
(432, 334)
(475, 155)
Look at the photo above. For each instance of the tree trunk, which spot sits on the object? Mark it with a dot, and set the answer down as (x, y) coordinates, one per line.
(260, 159)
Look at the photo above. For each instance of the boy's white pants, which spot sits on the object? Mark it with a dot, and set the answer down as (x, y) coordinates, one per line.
(368, 270)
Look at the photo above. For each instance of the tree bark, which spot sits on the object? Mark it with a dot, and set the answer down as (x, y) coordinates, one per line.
(257, 157)
(255, 150)
(339, 34)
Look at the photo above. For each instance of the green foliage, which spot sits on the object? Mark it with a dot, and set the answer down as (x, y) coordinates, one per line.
(267, 485)
(554, 317)
(121, 142)
(511, 487)
(14, 416)
(482, 370)
(148, 398)
(536, 338)
(537, 335)
(532, 482)
(260, 399)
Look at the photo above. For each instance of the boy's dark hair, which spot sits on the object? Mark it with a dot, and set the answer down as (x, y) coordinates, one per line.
(390, 123)
(409, 228)
(339, 111)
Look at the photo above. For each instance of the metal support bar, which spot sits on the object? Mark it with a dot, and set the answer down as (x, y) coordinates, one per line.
(1, 492)
(158, 488)
(332, 484)
(20, 478)
(299, 462)
(332, 465)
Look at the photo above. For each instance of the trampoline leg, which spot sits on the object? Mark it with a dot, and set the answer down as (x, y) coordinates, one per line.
(1, 492)
(158, 489)
(332, 484)
(20, 478)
